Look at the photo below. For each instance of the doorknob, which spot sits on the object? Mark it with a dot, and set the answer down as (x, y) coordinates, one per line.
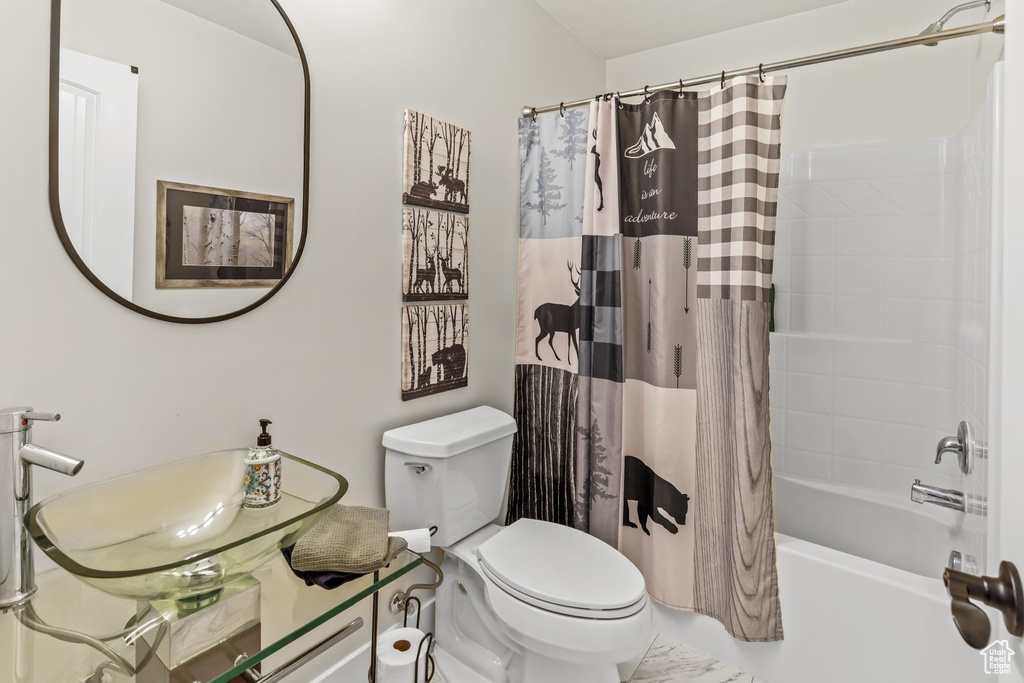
(964, 446)
(1002, 592)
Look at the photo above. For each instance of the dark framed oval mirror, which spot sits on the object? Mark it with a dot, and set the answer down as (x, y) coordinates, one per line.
(179, 151)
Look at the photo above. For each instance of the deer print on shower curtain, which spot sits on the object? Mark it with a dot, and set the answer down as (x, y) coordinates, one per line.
(560, 318)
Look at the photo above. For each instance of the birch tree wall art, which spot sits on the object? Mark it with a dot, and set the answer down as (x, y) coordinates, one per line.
(435, 249)
(434, 349)
(436, 164)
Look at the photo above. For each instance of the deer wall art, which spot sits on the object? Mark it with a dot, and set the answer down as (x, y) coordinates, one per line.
(436, 256)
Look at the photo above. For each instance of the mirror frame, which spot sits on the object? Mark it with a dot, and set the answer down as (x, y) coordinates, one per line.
(58, 219)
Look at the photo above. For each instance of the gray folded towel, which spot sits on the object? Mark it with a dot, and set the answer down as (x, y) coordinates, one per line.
(347, 539)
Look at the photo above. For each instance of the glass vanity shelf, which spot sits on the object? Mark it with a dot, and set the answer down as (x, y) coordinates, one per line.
(293, 620)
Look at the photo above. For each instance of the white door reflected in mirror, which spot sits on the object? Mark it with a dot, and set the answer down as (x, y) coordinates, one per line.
(99, 102)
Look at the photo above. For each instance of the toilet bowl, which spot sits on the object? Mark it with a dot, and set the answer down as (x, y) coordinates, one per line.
(532, 601)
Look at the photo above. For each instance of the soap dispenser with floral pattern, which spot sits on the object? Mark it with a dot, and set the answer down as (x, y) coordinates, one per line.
(262, 472)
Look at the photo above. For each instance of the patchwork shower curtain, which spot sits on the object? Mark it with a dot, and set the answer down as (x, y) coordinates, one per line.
(657, 438)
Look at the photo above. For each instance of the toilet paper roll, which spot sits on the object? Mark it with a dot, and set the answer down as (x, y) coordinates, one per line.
(418, 539)
(396, 656)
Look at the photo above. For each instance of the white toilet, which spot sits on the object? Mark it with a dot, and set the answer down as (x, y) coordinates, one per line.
(532, 602)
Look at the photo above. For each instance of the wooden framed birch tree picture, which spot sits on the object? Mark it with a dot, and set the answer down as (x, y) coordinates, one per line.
(436, 164)
(434, 349)
(212, 237)
(435, 256)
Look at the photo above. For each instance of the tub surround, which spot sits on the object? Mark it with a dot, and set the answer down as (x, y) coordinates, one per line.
(882, 316)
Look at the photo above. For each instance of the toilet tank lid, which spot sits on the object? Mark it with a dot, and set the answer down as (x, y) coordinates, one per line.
(452, 434)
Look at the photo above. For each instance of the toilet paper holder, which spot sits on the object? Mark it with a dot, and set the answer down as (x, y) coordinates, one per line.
(405, 600)
(428, 640)
(425, 645)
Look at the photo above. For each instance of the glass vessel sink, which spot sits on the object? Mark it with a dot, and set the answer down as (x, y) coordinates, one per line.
(179, 531)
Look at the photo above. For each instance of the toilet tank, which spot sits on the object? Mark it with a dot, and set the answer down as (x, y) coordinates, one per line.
(449, 472)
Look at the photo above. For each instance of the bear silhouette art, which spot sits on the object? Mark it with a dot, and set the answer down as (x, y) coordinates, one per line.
(652, 494)
(452, 360)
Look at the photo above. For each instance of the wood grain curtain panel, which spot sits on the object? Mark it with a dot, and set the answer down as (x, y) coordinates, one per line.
(657, 440)
(739, 157)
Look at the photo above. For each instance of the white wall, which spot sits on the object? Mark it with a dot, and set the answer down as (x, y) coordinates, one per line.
(215, 108)
(321, 359)
(911, 94)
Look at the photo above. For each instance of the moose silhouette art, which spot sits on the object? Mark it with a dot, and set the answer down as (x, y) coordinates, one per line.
(555, 318)
(452, 360)
(453, 187)
(652, 494)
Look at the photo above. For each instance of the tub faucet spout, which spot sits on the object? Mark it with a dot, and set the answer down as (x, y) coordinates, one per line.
(948, 498)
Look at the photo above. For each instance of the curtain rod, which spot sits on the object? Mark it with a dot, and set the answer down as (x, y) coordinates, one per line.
(997, 25)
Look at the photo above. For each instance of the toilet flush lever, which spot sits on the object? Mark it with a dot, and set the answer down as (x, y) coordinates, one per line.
(419, 467)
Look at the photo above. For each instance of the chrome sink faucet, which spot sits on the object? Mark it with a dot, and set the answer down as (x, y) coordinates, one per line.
(17, 455)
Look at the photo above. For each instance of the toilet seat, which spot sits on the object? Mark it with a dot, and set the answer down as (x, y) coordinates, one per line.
(580, 576)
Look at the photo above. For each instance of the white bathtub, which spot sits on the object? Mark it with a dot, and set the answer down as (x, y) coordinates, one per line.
(876, 525)
(848, 619)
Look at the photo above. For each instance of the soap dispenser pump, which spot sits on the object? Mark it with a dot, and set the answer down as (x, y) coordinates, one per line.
(262, 471)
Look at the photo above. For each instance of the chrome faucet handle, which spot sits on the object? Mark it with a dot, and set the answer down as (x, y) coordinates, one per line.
(41, 417)
(948, 444)
(963, 444)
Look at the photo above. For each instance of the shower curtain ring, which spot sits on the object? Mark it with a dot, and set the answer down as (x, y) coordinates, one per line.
(561, 109)
(723, 78)
(681, 88)
(760, 71)
(534, 114)
(618, 99)
(647, 95)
